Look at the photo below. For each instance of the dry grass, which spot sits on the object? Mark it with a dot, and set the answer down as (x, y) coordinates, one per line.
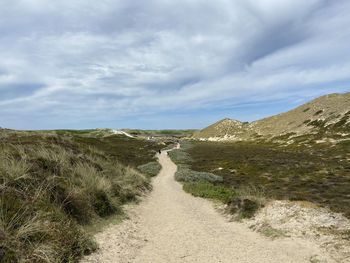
(254, 193)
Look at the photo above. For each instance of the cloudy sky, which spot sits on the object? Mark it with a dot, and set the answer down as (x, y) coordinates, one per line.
(166, 64)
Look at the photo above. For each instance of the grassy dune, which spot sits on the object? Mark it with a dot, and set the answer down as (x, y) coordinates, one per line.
(52, 187)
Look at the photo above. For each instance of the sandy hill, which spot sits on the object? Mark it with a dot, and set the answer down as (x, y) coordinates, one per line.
(226, 129)
(327, 116)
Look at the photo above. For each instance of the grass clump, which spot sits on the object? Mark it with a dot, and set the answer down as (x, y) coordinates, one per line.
(50, 189)
(151, 169)
(247, 202)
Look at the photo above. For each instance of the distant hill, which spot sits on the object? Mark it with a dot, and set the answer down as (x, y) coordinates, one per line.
(325, 117)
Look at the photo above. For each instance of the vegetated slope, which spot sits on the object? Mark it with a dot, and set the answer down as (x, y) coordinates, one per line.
(319, 174)
(50, 186)
(330, 113)
(325, 117)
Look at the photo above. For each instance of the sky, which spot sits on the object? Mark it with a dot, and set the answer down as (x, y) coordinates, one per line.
(161, 64)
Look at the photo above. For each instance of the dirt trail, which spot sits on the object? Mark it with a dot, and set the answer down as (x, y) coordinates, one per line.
(173, 226)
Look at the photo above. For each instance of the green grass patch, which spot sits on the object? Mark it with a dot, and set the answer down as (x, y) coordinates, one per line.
(209, 190)
(184, 174)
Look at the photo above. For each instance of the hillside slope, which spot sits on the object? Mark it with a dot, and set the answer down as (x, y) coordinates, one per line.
(325, 117)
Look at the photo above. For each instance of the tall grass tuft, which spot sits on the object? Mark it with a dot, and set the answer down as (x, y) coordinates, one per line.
(248, 200)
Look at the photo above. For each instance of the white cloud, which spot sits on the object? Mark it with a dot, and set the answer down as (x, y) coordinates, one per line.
(104, 61)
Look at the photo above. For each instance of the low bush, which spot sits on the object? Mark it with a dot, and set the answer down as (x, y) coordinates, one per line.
(185, 174)
(150, 169)
(209, 190)
(179, 156)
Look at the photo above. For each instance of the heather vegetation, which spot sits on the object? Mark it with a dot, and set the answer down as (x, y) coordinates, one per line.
(319, 173)
(52, 187)
(243, 201)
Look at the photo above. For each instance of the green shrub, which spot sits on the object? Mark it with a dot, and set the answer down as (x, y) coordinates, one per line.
(209, 190)
(179, 156)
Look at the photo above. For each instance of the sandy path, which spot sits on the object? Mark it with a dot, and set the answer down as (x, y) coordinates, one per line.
(173, 226)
